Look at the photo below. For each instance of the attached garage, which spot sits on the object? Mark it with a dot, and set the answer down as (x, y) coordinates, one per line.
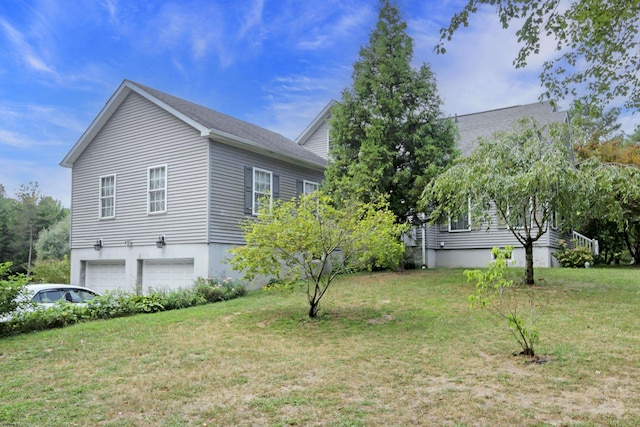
(167, 274)
(102, 276)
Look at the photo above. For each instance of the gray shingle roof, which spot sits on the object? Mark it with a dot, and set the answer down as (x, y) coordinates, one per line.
(270, 141)
(486, 123)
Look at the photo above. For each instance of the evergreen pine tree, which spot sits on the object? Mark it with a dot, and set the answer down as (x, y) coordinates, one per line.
(388, 134)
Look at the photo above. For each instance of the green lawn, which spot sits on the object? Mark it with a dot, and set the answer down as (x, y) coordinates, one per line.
(388, 349)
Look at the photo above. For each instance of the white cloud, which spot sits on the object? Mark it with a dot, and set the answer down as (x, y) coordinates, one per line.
(294, 100)
(477, 73)
(111, 7)
(24, 51)
(316, 31)
(629, 122)
(11, 138)
(252, 19)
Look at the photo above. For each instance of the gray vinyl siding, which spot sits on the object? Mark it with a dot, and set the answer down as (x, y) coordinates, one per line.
(318, 142)
(227, 187)
(137, 136)
(481, 238)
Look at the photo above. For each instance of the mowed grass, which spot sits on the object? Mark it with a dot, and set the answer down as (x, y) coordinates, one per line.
(388, 349)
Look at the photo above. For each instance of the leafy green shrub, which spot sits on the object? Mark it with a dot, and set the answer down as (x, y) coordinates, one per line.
(214, 290)
(60, 315)
(573, 256)
(11, 288)
(52, 270)
(280, 285)
(119, 304)
(181, 298)
(151, 303)
(112, 304)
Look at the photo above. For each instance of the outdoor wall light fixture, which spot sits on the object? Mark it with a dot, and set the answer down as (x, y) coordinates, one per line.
(160, 243)
(98, 245)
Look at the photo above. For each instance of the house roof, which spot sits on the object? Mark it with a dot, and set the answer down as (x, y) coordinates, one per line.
(210, 123)
(316, 122)
(484, 124)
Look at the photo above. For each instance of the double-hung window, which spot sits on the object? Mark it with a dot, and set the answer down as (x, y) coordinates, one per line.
(514, 219)
(463, 222)
(262, 193)
(157, 189)
(309, 187)
(107, 196)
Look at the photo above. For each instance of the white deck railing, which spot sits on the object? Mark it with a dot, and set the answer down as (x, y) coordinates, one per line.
(584, 241)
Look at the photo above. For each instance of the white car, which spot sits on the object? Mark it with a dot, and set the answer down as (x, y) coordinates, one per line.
(46, 295)
(42, 296)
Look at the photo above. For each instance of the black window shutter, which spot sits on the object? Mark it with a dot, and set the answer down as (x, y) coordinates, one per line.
(299, 187)
(248, 190)
(276, 186)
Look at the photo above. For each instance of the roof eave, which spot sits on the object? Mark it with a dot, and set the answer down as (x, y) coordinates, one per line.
(311, 127)
(248, 145)
(112, 104)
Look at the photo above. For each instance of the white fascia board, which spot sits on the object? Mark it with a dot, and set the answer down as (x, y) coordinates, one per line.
(112, 104)
(315, 123)
(204, 131)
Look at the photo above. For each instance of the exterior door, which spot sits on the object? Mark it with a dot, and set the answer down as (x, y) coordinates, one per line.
(167, 274)
(103, 276)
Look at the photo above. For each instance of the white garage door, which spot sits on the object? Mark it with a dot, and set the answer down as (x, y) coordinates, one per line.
(106, 275)
(167, 274)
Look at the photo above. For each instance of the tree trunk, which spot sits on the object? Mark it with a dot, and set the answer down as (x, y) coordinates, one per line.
(528, 252)
(30, 251)
(314, 306)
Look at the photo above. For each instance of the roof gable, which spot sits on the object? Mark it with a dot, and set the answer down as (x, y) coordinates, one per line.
(209, 123)
(315, 123)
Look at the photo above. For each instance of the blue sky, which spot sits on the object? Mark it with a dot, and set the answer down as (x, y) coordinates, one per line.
(275, 63)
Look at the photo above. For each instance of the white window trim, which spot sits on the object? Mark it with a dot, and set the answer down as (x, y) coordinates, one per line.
(554, 221)
(100, 198)
(254, 207)
(166, 192)
(462, 230)
(304, 186)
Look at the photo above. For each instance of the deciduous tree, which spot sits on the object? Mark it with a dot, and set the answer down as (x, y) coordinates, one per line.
(53, 241)
(616, 190)
(388, 134)
(597, 42)
(526, 175)
(31, 213)
(310, 239)
(613, 165)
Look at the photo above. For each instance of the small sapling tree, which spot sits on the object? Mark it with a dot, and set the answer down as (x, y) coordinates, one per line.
(310, 239)
(495, 290)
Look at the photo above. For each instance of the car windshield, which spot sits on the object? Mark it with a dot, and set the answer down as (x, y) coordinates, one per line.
(69, 295)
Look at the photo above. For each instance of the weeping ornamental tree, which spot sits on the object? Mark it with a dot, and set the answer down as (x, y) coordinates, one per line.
(388, 135)
(525, 176)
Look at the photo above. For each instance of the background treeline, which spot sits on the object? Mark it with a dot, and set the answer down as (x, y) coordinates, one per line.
(34, 234)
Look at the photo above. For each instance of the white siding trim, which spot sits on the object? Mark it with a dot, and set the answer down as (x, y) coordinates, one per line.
(254, 207)
(166, 191)
(115, 188)
(304, 185)
(461, 230)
